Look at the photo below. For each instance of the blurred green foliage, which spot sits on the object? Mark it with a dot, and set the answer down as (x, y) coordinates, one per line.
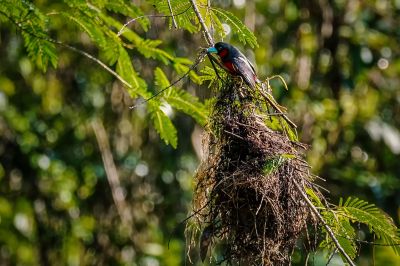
(341, 62)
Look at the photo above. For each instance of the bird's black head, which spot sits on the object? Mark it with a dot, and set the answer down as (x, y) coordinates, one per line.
(222, 49)
(220, 46)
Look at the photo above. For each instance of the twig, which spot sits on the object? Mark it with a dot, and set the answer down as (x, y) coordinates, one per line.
(112, 174)
(306, 261)
(112, 72)
(202, 23)
(331, 257)
(198, 61)
(233, 134)
(275, 106)
(151, 16)
(172, 14)
(327, 228)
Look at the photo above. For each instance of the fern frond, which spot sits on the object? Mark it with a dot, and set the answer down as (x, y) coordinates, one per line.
(208, 74)
(180, 99)
(378, 222)
(182, 66)
(217, 25)
(243, 33)
(163, 125)
(33, 25)
(186, 18)
(127, 72)
(128, 9)
(41, 51)
(95, 33)
(148, 48)
(344, 233)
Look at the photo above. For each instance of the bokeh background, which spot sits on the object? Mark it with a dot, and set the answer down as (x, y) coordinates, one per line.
(340, 60)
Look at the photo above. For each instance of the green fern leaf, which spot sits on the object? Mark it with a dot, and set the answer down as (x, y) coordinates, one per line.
(273, 164)
(182, 66)
(128, 9)
(149, 49)
(243, 33)
(163, 125)
(378, 222)
(161, 80)
(180, 99)
(95, 33)
(126, 71)
(343, 231)
(217, 25)
(33, 25)
(110, 52)
(208, 74)
(42, 52)
(184, 15)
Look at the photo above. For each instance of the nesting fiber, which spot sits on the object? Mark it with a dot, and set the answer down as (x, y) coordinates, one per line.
(245, 199)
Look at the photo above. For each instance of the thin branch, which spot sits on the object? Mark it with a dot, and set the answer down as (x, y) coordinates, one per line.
(207, 34)
(112, 174)
(172, 14)
(331, 257)
(191, 68)
(267, 96)
(150, 16)
(94, 59)
(327, 228)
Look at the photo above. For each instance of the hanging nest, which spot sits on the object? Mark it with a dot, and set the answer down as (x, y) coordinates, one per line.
(246, 203)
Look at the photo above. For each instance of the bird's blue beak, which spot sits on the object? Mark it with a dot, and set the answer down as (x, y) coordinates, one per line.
(212, 50)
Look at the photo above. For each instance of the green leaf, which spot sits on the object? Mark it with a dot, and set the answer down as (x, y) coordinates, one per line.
(180, 99)
(161, 80)
(126, 71)
(378, 222)
(183, 12)
(273, 164)
(95, 33)
(217, 25)
(128, 9)
(42, 52)
(182, 66)
(314, 198)
(208, 74)
(33, 25)
(149, 49)
(163, 125)
(243, 33)
(110, 52)
(344, 233)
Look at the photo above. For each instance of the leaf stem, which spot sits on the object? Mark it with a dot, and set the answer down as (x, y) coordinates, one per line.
(327, 228)
(207, 34)
(172, 14)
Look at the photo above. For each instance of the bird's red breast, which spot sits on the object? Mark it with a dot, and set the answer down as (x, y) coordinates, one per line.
(229, 66)
(223, 53)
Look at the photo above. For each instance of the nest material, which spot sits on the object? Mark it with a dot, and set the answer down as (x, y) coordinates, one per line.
(245, 198)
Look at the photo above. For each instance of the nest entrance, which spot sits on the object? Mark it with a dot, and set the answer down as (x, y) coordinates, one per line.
(245, 198)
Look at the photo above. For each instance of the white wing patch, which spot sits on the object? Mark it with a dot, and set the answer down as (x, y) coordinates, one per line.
(248, 76)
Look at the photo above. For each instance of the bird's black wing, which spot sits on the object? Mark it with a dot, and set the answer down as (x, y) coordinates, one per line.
(245, 70)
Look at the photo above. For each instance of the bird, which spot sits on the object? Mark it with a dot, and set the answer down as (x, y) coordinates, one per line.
(235, 63)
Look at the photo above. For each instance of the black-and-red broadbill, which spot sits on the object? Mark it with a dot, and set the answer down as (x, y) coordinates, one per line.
(235, 62)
